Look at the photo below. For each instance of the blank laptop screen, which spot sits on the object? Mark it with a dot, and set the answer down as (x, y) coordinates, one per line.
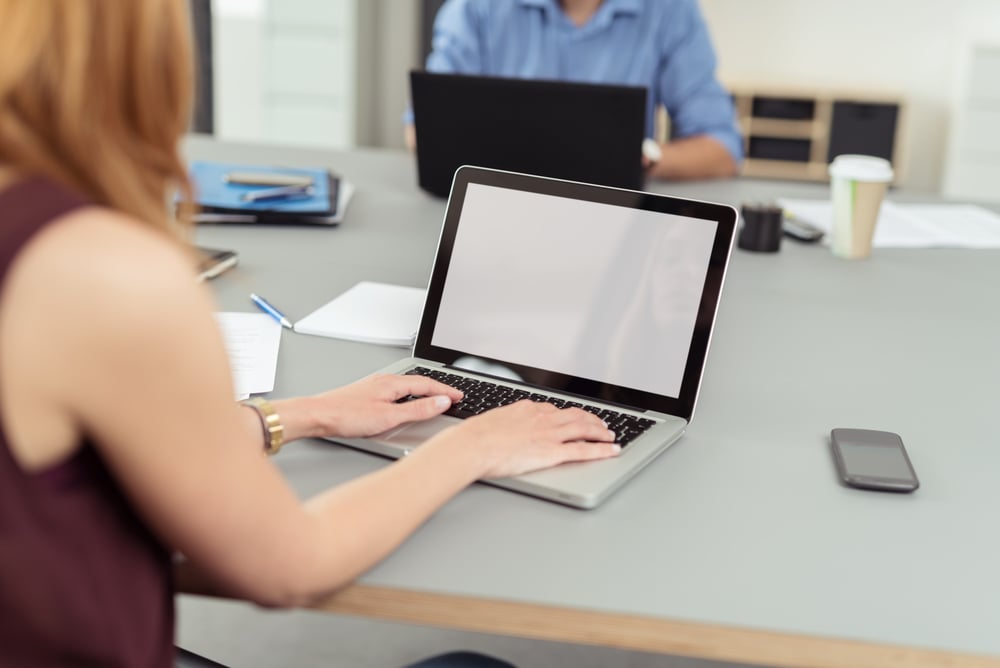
(597, 291)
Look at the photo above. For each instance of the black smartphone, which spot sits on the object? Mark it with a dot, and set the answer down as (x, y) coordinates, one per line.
(214, 261)
(800, 230)
(872, 459)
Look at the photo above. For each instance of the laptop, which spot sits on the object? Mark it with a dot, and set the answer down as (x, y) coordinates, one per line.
(578, 294)
(576, 131)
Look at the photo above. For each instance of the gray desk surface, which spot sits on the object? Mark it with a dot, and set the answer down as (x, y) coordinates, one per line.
(738, 543)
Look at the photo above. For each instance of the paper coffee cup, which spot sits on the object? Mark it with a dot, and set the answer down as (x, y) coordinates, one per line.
(858, 184)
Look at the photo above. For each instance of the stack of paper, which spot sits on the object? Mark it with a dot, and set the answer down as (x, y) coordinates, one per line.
(913, 225)
(252, 341)
(369, 312)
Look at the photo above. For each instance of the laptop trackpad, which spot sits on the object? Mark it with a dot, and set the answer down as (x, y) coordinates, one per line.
(413, 434)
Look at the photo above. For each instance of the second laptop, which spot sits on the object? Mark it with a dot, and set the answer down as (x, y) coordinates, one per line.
(575, 131)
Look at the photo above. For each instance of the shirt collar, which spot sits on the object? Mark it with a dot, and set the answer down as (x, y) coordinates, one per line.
(611, 6)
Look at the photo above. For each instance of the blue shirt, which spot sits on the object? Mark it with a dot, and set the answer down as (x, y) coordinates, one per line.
(662, 45)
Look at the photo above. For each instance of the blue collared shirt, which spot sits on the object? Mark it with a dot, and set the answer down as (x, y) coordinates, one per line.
(663, 45)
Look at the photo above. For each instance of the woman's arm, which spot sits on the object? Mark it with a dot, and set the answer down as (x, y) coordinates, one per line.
(145, 374)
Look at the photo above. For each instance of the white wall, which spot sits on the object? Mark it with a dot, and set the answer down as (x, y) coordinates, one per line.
(329, 73)
(238, 48)
(915, 48)
(285, 71)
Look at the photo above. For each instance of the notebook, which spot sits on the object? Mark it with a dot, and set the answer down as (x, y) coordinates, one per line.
(576, 131)
(592, 296)
(222, 200)
(369, 312)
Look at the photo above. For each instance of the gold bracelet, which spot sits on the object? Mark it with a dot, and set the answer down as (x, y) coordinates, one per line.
(274, 431)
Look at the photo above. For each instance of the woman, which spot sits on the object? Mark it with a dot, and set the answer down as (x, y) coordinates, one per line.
(119, 441)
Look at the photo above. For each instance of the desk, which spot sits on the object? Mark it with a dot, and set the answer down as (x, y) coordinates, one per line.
(738, 544)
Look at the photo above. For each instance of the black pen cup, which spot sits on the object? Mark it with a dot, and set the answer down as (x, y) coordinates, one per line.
(761, 229)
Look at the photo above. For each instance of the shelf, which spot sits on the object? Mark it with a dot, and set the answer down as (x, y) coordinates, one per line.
(783, 128)
(794, 134)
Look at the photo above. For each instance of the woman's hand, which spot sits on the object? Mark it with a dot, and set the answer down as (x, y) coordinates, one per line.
(368, 406)
(528, 436)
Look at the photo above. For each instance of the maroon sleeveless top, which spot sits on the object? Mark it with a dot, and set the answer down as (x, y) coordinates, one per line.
(82, 580)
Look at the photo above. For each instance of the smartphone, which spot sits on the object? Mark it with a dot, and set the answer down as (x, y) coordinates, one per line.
(214, 261)
(871, 459)
(800, 230)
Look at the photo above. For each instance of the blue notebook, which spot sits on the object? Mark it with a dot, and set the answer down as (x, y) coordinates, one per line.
(222, 201)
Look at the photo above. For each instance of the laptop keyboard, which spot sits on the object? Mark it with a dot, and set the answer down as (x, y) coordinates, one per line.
(481, 396)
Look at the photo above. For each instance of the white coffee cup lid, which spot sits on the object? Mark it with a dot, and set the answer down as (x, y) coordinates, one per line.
(861, 168)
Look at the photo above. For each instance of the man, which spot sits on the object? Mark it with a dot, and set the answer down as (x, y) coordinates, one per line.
(662, 45)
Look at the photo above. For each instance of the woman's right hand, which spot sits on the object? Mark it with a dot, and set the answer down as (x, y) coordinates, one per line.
(528, 436)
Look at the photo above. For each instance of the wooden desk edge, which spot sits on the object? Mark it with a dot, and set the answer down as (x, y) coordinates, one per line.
(631, 632)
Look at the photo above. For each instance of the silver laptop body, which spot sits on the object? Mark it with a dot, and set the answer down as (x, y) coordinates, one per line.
(597, 296)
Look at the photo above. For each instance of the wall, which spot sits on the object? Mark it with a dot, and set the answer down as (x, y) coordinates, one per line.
(330, 73)
(238, 60)
(286, 71)
(388, 50)
(914, 48)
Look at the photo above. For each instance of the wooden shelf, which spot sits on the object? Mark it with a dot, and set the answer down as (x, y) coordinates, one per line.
(794, 134)
(777, 127)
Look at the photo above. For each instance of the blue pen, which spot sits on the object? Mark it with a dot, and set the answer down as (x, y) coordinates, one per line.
(270, 310)
(285, 192)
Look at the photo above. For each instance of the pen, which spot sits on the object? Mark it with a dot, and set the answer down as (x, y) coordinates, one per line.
(285, 192)
(272, 179)
(266, 307)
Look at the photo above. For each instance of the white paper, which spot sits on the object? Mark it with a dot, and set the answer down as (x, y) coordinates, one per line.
(369, 312)
(252, 341)
(913, 225)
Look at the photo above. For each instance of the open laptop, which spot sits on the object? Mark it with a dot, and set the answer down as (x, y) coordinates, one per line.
(585, 295)
(576, 131)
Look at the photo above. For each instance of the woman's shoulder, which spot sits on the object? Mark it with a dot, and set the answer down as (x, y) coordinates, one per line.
(93, 244)
(97, 267)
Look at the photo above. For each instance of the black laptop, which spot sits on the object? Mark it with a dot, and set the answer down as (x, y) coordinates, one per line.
(590, 133)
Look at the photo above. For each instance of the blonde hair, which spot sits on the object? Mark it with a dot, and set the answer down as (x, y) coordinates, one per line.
(95, 94)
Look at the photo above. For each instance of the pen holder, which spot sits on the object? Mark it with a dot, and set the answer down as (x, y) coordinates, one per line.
(761, 229)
